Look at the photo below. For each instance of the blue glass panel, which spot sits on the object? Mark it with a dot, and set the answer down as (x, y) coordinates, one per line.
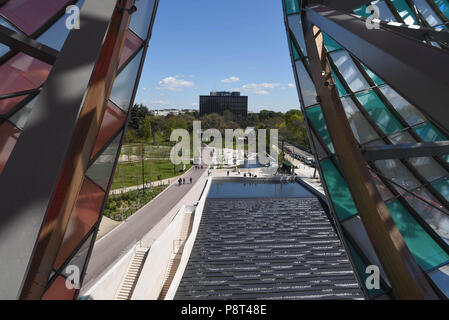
(58, 32)
(315, 115)
(427, 252)
(140, 20)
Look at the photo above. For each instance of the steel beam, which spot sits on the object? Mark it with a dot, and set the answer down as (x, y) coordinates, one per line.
(408, 150)
(407, 279)
(20, 42)
(346, 5)
(412, 68)
(32, 172)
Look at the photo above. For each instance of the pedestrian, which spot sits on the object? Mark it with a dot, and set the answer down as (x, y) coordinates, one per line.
(190, 180)
(183, 180)
(179, 181)
(227, 172)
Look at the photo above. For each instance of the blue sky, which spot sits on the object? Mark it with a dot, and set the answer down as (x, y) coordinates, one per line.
(203, 45)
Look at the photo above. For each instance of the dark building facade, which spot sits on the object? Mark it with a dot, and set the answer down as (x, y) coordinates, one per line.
(218, 102)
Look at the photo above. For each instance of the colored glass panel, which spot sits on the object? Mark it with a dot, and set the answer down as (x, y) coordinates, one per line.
(395, 171)
(410, 114)
(443, 187)
(426, 10)
(79, 259)
(361, 268)
(140, 20)
(100, 171)
(292, 6)
(441, 278)
(428, 132)
(430, 211)
(21, 117)
(295, 52)
(8, 139)
(330, 43)
(58, 291)
(21, 73)
(132, 43)
(7, 104)
(113, 120)
(380, 114)
(444, 6)
(349, 70)
(85, 214)
(361, 129)
(428, 168)
(341, 89)
(295, 24)
(30, 15)
(427, 252)
(124, 83)
(404, 11)
(338, 190)
(377, 81)
(306, 85)
(56, 35)
(315, 115)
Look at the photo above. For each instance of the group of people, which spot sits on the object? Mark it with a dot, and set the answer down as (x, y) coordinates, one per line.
(198, 166)
(183, 180)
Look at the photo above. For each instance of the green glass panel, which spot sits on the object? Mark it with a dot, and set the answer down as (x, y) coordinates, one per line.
(378, 81)
(404, 11)
(377, 110)
(316, 117)
(338, 190)
(341, 90)
(444, 6)
(292, 6)
(362, 12)
(443, 187)
(361, 268)
(330, 43)
(295, 52)
(428, 132)
(427, 252)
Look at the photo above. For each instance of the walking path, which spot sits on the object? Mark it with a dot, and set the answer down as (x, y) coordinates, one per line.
(113, 245)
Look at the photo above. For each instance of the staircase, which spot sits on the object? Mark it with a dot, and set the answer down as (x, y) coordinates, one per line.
(129, 281)
(178, 248)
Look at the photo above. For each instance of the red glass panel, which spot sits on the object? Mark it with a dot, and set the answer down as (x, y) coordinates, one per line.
(132, 43)
(85, 214)
(112, 121)
(8, 139)
(30, 15)
(21, 73)
(58, 291)
(8, 104)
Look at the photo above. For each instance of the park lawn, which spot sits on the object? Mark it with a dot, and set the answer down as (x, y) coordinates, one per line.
(130, 174)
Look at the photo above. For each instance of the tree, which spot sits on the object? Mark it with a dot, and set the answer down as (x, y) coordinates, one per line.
(145, 129)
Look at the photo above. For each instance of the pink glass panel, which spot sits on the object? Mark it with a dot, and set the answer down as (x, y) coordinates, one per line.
(59, 291)
(8, 104)
(112, 121)
(30, 15)
(85, 214)
(21, 73)
(132, 43)
(8, 139)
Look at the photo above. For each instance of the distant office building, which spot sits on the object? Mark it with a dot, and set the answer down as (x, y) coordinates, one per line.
(218, 102)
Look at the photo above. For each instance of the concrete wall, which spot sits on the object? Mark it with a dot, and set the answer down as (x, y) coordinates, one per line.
(189, 243)
(154, 270)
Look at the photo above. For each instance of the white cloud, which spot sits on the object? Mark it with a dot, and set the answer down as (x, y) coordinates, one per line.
(291, 85)
(144, 89)
(163, 102)
(230, 80)
(174, 84)
(260, 88)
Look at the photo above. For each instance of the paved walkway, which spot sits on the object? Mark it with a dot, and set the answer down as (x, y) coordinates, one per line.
(120, 240)
(148, 185)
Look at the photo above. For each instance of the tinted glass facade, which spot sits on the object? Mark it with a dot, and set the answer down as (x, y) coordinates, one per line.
(412, 188)
(219, 103)
(24, 76)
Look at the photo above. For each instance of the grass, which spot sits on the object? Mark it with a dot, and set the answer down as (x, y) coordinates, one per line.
(120, 207)
(130, 174)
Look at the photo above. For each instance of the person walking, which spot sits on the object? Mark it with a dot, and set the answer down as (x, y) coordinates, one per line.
(179, 181)
(190, 180)
(227, 172)
(183, 180)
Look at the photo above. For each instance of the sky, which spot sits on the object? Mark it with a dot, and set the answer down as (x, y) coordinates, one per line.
(198, 46)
